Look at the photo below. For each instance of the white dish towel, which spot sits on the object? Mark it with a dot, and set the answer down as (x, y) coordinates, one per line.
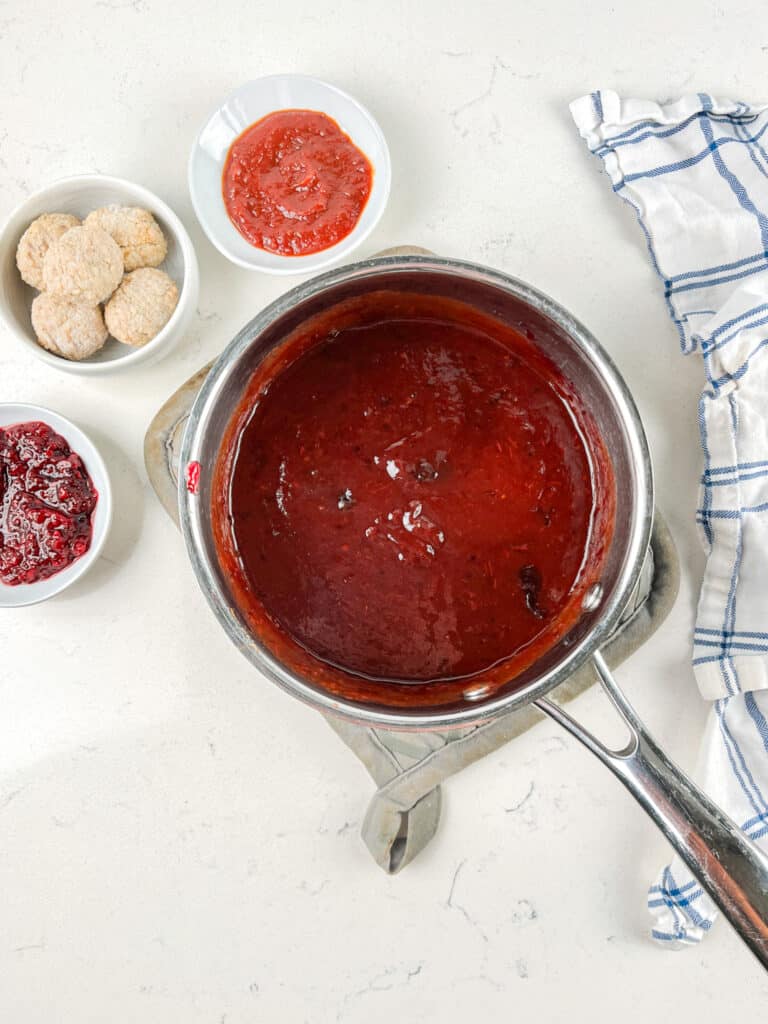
(696, 172)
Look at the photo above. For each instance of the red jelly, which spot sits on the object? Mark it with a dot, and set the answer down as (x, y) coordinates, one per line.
(411, 494)
(47, 500)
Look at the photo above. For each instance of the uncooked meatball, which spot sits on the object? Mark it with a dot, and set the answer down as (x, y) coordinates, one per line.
(135, 230)
(36, 241)
(84, 265)
(70, 329)
(141, 306)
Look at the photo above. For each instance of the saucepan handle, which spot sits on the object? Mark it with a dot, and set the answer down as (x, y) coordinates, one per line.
(730, 867)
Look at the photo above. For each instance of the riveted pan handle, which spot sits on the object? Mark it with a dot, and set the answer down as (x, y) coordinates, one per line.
(730, 867)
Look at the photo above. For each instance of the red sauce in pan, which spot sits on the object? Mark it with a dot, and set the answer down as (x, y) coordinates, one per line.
(47, 499)
(294, 183)
(410, 497)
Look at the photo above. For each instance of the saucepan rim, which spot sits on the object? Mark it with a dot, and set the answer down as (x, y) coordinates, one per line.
(193, 513)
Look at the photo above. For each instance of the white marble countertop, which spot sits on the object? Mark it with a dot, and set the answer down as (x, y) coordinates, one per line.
(178, 839)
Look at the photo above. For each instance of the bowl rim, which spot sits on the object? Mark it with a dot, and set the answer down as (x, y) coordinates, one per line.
(187, 289)
(84, 563)
(325, 257)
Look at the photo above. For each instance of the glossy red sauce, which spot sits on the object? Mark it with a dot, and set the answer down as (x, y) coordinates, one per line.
(47, 499)
(414, 496)
(294, 183)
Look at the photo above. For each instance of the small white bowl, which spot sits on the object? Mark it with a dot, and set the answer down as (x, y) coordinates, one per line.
(32, 593)
(79, 195)
(241, 109)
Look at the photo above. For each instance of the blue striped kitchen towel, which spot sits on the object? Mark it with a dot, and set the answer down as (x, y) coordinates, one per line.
(696, 173)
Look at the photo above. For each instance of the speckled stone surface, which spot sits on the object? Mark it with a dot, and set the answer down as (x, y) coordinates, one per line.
(180, 841)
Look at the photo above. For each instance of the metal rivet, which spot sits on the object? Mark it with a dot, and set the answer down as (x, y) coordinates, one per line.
(593, 597)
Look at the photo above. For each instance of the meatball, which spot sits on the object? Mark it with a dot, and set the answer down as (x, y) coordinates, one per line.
(141, 306)
(35, 242)
(73, 330)
(84, 265)
(136, 232)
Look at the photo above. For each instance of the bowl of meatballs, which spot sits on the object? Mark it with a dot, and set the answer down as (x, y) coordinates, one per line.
(98, 274)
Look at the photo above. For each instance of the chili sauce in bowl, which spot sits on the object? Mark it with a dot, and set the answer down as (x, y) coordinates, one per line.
(289, 174)
(294, 183)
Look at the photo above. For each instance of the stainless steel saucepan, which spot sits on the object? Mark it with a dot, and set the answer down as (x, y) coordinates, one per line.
(729, 866)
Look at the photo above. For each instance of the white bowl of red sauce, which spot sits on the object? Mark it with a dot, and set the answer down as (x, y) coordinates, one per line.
(289, 175)
(55, 504)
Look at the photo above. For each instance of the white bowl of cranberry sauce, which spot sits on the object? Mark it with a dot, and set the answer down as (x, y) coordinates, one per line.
(55, 504)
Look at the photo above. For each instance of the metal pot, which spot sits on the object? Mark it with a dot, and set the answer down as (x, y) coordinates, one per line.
(729, 866)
